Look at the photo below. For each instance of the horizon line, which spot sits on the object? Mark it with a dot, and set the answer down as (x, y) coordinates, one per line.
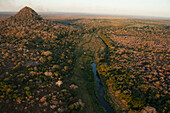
(95, 14)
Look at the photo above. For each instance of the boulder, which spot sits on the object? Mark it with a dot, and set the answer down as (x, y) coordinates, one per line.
(148, 109)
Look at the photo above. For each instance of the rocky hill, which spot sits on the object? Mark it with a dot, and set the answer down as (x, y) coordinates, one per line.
(26, 14)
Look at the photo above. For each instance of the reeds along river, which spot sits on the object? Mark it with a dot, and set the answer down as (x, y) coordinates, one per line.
(100, 91)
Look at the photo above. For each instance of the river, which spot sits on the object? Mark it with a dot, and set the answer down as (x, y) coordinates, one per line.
(100, 91)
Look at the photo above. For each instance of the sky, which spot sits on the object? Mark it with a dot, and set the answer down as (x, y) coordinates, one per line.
(156, 8)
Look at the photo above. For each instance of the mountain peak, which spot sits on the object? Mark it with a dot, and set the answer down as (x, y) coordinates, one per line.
(26, 13)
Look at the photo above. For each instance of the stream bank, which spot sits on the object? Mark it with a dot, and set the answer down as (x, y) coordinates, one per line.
(100, 91)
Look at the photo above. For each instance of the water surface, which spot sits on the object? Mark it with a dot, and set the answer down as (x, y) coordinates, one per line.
(100, 91)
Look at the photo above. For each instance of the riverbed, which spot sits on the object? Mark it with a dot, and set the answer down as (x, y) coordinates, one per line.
(100, 91)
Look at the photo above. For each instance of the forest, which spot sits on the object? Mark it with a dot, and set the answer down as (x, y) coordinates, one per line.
(45, 63)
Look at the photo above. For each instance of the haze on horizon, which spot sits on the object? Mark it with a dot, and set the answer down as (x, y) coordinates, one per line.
(156, 8)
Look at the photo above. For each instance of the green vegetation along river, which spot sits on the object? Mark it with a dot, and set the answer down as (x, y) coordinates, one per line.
(100, 91)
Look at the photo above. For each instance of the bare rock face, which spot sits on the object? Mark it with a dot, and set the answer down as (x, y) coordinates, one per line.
(26, 13)
(58, 83)
(73, 86)
(148, 109)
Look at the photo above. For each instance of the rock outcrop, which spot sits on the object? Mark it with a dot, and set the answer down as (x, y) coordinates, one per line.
(148, 109)
(26, 13)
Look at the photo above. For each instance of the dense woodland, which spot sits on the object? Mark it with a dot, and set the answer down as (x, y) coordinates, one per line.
(36, 61)
(137, 67)
(40, 57)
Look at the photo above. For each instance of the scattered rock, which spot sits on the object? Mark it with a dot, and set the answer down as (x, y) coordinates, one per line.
(45, 110)
(55, 102)
(48, 73)
(45, 104)
(43, 99)
(59, 83)
(148, 109)
(60, 110)
(53, 106)
(79, 103)
(73, 86)
(18, 100)
(46, 53)
(25, 40)
(56, 66)
(32, 72)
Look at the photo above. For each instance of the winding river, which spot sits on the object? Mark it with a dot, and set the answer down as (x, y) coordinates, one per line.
(100, 91)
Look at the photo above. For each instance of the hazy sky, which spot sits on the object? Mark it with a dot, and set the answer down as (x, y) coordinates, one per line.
(159, 8)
